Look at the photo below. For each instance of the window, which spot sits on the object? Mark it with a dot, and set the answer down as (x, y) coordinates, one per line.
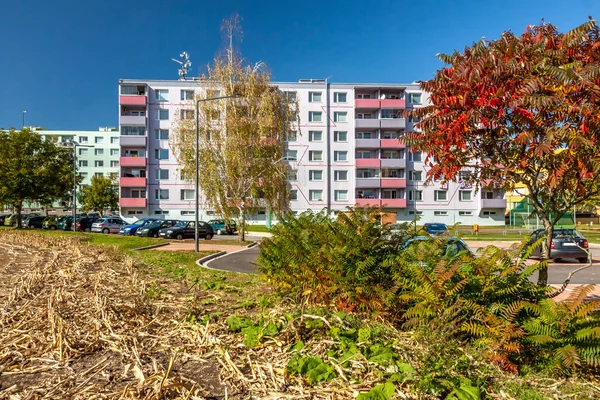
(366, 194)
(113, 175)
(340, 156)
(186, 114)
(392, 173)
(340, 136)
(161, 94)
(440, 213)
(188, 194)
(413, 119)
(291, 155)
(363, 96)
(315, 116)
(315, 195)
(464, 195)
(365, 135)
(414, 156)
(416, 176)
(293, 175)
(340, 97)
(83, 152)
(98, 174)
(391, 194)
(114, 140)
(99, 139)
(165, 212)
(292, 136)
(161, 134)
(315, 136)
(415, 212)
(211, 94)
(83, 163)
(214, 115)
(391, 135)
(315, 175)
(364, 116)
(314, 97)
(293, 194)
(340, 116)
(465, 213)
(114, 152)
(414, 98)
(99, 163)
(99, 152)
(133, 131)
(393, 154)
(184, 212)
(138, 194)
(389, 114)
(365, 154)
(415, 195)
(114, 163)
(489, 213)
(162, 115)
(340, 195)
(134, 212)
(340, 176)
(315, 155)
(162, 174)
(441, 195)
(83, 175)
(161, 194)
(289, 96)
(367, 173)
(161, 154)
(187, 95)
(83, 139)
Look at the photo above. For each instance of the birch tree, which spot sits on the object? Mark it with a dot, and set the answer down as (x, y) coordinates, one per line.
(242, 139)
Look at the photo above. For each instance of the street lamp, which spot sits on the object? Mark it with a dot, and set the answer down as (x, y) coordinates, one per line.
(75, 145)
(196, 220)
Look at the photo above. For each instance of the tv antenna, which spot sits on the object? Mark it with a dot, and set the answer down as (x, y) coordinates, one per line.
(185, 63)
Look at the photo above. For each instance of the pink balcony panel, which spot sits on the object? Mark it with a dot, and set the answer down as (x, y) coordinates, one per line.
(393, 103)
(392, 144)
(132, 182)
(131, 202)
(367, 103)
(393, 203)
(132, 100)
(368, 162)
(393, 183)
(368, 202)
(132, 161)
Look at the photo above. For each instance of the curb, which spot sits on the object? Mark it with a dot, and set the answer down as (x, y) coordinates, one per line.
(252, 245)
(152, 246)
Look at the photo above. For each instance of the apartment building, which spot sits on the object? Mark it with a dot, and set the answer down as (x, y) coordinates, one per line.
(345, 153)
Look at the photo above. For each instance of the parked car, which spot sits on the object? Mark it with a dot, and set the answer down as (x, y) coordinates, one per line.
(50, 223)
(36, 221)
(220, 226)
(451, 246)
(435, 228)
(132, 228)
(65, 223)
(153, 228)
(186, 229)
(84, 224)
(92, 215)
(3, 218)
(108, 225)
(566, 243)
(11, 220)
(25, 216)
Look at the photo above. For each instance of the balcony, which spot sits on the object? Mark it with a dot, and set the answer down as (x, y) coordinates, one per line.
(362, 183)
(132, 182)
(391, 144)
(132, 141)
(367, 103)
(393, 183)
(132, 202)
(132, 120)
(393, 103)
(368, 162)
(493, 203)
(132, 161)
(367, 123)
(367, 143)
(132, 100)
(368, 202)
(393, 163)
(394, 123)
(394, 203)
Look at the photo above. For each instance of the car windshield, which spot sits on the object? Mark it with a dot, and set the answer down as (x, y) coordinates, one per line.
(565, 233)
(181, 223)
(139, 222)
(437, 227)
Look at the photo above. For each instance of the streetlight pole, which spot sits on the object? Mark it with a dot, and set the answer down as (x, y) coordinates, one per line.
(74, 144)
(196, 219)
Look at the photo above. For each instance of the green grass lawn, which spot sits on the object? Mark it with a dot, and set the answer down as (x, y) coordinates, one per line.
(257, 228)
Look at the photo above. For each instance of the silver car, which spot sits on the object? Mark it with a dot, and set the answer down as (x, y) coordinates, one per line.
(108, 225)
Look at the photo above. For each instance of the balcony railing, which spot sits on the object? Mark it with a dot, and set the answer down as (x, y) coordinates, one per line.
(130, 161)
(393, 183)
(132, 141)
(393, 163)
(368, 183)
(393, 203)
(367, 123)
(393, 103)
(367, 143)
(367, 103)
(132, 120)
(493, 203)
(132, 202)
(368, 162)
(368, 202)
(132, 100)
(395, 123)
(392, 144)
(132, 182)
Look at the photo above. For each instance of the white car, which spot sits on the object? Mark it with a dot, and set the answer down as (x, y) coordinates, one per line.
(108, 225)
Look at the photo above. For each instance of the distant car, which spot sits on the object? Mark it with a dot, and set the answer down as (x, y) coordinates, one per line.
(220, 226)
(92, 215)
(132, 228)
(34, 222)
(84, 224)
(185, 229)
(435, 228)
(566, 243)
(3, 218)
(452, 245)
(152, 229)
(50, 223)
(65, 223)
(108, 225)
(11, 220)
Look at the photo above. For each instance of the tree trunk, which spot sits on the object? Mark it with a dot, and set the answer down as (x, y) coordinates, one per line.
(546, 251)
(19, 207)
(242, 223)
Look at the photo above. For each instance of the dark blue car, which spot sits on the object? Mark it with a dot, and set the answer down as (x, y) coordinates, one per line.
(435, 228)
(131, 229)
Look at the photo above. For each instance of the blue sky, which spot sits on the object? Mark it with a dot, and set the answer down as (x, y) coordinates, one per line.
(61, 60)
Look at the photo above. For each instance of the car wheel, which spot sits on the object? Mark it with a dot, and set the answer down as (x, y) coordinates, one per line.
(179, 236)
(155, 235)
(106, 230)
(208, 236)
(219, 232)
(52, 228)
(557, 259)
(582, 260)
(88, 230)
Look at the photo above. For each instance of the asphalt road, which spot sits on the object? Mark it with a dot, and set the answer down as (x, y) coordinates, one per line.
(239, 261)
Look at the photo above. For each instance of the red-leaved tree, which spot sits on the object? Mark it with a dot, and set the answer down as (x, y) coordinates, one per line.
(520, 109)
